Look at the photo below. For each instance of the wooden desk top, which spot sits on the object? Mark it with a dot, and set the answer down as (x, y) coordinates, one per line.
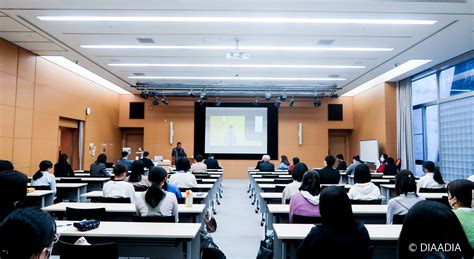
(134, 230)
(117, 207)
(300, 231)
(356, 209)
(98, 194)
(39, 193)
(70, 185)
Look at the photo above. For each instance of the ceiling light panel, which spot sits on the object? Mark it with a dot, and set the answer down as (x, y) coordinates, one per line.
(239, 66)
(237, 78)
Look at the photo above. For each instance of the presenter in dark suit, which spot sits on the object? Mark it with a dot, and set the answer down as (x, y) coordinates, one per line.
(329, 175)
(178, 151)
(265, 165)
(212, 163)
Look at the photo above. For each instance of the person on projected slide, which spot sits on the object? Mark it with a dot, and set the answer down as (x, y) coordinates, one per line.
(230, 137)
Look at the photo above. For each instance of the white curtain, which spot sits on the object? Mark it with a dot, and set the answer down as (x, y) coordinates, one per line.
(404, 125)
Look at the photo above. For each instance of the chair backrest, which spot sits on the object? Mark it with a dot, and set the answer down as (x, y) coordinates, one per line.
(282, 181)
(109, 165)
(202, 176)
(154, 219)
(279, 188)
(113, 200)
(433, 190)
(376, 176)
(42, 187)
(299, 219)
(191, 189)
(70, 180)
(212, 253)
(140, 188)
(181, 200)
(378, 201)
(80, 214)
(104, 251)
(270, 176)
(398, 219)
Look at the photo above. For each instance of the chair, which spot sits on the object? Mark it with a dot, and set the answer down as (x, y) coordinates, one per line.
(80, 214)
(109, 165)
(282, 181)
(398, 219)
(202, 176)
(191, 189)
(368, 202)
(113, 200)
(433, 190)
(140, 188)
(279, 188)
(376, 176)
(181, 200)
(70, 180)
(104, 251)
(42, 187)
(154, 219)
(299, 219)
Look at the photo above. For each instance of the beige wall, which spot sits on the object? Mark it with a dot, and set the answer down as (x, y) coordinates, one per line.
(181, 112)
(375, 118)
(34, 94)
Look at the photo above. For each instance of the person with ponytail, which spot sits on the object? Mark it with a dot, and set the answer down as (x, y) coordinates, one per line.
(44, 176)
(405, 187)
(156, 201)
(432, 178)
(62, 168)
(306, 201)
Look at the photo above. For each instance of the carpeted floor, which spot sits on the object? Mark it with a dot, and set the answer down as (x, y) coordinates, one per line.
(238, 232)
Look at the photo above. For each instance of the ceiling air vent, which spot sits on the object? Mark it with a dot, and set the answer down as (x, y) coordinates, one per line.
(145, 40)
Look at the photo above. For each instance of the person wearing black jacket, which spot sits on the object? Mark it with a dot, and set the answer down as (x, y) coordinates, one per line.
(62, 168)
(265, 165)
(146, 161)
(329, 175)
(390, 167)
(341, 164)
(212, 163)
(339, 235)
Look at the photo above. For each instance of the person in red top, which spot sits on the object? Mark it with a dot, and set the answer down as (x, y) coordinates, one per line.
(296, 160)
(383, 162)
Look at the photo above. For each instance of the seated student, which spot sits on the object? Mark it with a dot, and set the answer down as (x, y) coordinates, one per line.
(355, 161)
(12, 191)
(339, 235)
(146, 161)
(98, 168)
(390, 167)
(156, 201)
(471, 178)
(363, 189)
(124, 160)
(118, 188)
(62, 168)
(433, 223)
(328, 175)
(432, 178)
(26, 234)
(199, 166)
(306, 201)
(341, 164)
(6, 165)
(182, 178)
(296, 160)
(265, 165)
(383, 162)
(137, 175)
(460, 198)
(44, 176)
(212, 163)
(169, 187)
(294, 187)
(259, 162)
(284, 164)
(405, 187)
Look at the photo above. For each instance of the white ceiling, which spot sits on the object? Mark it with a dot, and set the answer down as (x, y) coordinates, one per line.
(450, 36)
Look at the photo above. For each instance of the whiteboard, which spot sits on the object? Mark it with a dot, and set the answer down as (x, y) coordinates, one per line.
(369, 151)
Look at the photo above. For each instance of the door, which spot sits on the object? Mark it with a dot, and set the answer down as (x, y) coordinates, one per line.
(132, 138)
(337, 145)
(69, 145)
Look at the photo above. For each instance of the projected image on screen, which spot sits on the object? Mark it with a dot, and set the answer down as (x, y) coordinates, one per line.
(234, 130)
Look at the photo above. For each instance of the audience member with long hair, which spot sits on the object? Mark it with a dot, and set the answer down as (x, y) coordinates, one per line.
(44, 176)
(405, 187)
(306, 201)
(62, 168)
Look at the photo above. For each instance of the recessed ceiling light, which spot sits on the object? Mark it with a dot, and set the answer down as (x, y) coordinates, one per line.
(75, 68)
(387, 76)
(232, 65)
(237, 20)
(238, 78)
(262, 48)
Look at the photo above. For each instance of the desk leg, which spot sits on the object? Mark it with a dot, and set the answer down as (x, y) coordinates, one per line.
(78, 193)
(42, 201)
(283, 250)
(193, 247)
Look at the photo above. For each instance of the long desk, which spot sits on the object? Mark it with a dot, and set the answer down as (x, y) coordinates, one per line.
(198, 197)
(157, 240)
(388, 189)
(383, 237)
(94, 183)
(41, 197)
(123, 211)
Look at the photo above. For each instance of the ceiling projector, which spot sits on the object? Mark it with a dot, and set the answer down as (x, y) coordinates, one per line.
(237, 55)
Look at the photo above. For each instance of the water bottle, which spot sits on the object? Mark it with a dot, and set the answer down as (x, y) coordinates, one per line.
(189, 198)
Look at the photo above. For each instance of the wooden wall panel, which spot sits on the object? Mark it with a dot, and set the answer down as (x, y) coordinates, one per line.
(6, 150)
(22, 152)
(391, 119)
(8, 89)
(26, 65)
(23, 123)
(25, 94)
(9, 60)
(7, 113)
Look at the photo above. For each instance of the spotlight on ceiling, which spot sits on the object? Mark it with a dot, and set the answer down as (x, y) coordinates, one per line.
(317, 102)
(203, 95)
(277, 102)
(191, 93)
(283, 96)
(218, 101)
(333, 93)
(201, 101)
(292, 101)
(155, 100)
(268, 96)
(165, 100)
(256, 101)
(144, 94)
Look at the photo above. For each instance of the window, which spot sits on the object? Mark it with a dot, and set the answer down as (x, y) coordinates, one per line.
(424, 90)
(458, 79)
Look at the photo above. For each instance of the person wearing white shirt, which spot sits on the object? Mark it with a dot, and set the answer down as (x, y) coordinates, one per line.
(199, 166)
(44, 176)
(118, 188)
(363, 189)
(405, 187)
(155, 201)
(183, 179)
(471, 178)
(294, 187)
(432, 178)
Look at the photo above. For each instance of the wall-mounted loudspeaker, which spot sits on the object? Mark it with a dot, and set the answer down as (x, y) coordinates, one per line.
(335, 112)
(137, 110)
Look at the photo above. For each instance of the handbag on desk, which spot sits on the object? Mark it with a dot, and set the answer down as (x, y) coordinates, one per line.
(210, 221)
(87, 225)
